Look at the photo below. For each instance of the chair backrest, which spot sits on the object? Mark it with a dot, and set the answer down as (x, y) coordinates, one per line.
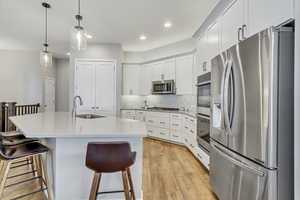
(12, 109)
(26, 109)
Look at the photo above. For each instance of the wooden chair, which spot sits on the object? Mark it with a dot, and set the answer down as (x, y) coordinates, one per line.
(110, 157)
(10, 158)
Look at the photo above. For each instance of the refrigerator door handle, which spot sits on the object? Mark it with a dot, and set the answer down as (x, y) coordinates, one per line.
(238, 162)
(225, 94)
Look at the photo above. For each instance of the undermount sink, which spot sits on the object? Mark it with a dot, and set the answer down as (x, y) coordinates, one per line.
(89, 116)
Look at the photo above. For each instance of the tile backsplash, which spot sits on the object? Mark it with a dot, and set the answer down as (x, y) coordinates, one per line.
(188, 102)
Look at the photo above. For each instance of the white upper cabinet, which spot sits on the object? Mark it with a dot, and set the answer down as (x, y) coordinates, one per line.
(157, 69)
(168, 71)
(131, 79)
(213, 40)
(184, 75)
(163, 70)
(231, 24)
(145, 79)
(265, 13)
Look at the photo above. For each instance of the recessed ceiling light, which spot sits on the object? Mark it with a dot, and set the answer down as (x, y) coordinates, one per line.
(143, 37)
(168, 25)
(68, 54)
(88, 36)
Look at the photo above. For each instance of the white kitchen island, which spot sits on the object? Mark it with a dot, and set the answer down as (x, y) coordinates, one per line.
(68, 138)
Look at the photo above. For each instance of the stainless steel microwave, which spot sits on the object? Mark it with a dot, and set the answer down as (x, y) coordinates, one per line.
(163, 87)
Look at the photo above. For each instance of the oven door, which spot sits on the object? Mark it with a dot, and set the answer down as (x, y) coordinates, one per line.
(203, 132)
(203, 95)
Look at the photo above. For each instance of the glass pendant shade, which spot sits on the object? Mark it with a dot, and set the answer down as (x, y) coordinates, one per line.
(78, 38)
(46, 59)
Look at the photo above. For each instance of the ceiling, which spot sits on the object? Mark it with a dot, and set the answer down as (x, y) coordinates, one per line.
(108, 21)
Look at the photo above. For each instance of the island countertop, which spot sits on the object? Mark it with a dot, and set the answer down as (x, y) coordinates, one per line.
(63, 125)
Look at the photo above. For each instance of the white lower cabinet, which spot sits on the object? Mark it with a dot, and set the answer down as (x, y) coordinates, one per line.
(173, 127)
(128, 114)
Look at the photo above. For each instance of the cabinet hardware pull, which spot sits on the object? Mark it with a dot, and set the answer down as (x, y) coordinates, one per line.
(175, 136)
(239, 34)
(243, 31)
(150, 131)
(186, 127)
(162, 133)
(150, 121)
(191, 131)
(162, 122)
(175, 124)
(199, 156)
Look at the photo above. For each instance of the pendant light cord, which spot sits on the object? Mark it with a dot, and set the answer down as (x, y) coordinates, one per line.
(46, 26)
(79, 19)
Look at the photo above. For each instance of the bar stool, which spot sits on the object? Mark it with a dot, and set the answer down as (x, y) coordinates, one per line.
(108, 158)
(10, 155)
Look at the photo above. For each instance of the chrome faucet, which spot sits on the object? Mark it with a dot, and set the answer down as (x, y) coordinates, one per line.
(74, 110)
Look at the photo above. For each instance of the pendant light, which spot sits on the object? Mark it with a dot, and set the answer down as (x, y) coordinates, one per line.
(78, 34)
(46, 56)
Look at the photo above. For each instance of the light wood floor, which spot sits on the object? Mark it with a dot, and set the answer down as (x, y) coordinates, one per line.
(170, 173)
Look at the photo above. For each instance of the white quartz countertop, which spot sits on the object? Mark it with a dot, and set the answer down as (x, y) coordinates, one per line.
(62, 125)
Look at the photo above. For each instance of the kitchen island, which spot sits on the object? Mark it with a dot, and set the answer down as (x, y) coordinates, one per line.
(68, 137)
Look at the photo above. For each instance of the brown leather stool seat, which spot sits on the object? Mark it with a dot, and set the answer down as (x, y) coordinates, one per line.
(110, 157)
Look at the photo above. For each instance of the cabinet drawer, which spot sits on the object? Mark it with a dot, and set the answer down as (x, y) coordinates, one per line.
(128, 112)
(140, 115)
(158, 114)
(176, 136)
(175, 116)
(151, 131)
(150, 121)
(176, 125)
(163, 123)
(163, 133)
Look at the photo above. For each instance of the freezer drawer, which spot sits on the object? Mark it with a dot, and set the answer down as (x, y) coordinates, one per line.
(236, 178)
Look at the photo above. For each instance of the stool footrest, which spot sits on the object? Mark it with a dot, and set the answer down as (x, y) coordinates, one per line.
(14, 176)
(110, 192)
(21, 165)
(24, 181)
(31, 193)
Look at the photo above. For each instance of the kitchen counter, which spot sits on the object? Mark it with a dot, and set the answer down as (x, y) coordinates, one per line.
(68, 138)
(63, 125)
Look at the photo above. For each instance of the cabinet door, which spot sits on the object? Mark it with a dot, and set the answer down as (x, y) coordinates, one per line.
(169, 70)
(231, 21)
(145, 80)
(266, 13)
(85, 85)
(213, 40)
(131, 79)
(157, 71)
(184, 75)
(105, 88)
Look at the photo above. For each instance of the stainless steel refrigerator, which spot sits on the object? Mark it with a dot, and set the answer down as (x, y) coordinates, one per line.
(252, 118)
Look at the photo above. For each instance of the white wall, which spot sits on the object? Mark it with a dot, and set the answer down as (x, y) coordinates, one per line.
(21, 77)
(297, 103)
(177, 48)
(62, 85)
(98, 51)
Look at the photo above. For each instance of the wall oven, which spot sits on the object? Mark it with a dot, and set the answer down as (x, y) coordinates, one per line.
(203, 132)
(203, 111)
(163, 87)
(203, 93)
